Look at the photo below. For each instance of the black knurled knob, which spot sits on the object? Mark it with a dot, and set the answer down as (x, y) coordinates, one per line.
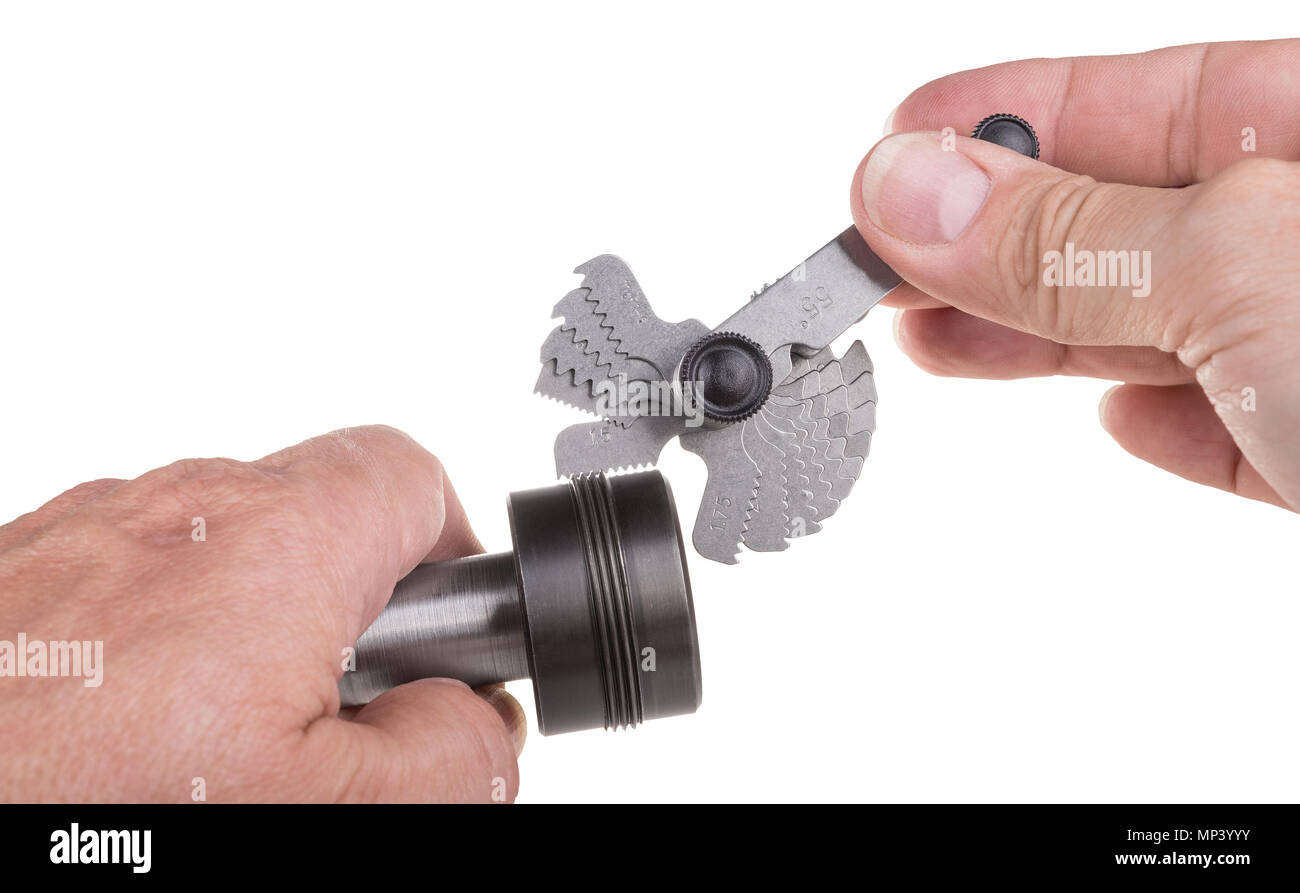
(1009, 131)
(729, 374)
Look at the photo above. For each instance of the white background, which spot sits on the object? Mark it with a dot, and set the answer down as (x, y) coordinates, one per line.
(226, 227)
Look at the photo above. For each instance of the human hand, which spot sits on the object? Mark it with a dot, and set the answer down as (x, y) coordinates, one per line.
(222, 653)
(1159, 146)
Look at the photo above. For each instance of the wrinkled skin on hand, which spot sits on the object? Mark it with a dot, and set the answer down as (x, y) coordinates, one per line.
(1189, 153)
(221, 655)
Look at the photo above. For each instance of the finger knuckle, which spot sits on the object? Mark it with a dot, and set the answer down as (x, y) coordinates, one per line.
(368, 439)
(165, 503)
(88, 533)
(213, 482)
(1224, 211)
(362, 464)
(1233, 256)
(89, 490)
(1045, 220)
(380, 443)
(1249, 177)
(487, 744)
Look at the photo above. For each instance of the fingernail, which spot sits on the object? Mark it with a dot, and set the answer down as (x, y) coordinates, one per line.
(898, 328)
(1101, 407)
(919, 192)
(889, 122)
(509, 711)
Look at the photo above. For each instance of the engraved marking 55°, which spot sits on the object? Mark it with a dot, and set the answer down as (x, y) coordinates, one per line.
(813, 304)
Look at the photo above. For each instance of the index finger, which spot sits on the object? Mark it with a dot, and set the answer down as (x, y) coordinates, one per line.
(384, 505)
(1170, 117)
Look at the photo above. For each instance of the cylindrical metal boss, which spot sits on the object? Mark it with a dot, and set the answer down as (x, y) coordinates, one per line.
(594, 604)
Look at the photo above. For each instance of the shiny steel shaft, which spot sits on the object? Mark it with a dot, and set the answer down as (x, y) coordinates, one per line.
(458, 619)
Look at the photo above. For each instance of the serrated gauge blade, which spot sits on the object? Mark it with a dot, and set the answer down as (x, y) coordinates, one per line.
(774, 476)
(625, 315)
(817, 300)
(728, 495)
(768, 522)
(606, 445)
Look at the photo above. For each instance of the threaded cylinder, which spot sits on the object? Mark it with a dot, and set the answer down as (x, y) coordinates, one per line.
(594, 604)
(611, 608)
(608, 618)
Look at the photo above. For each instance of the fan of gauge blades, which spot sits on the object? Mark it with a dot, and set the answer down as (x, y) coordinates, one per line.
(775, 476)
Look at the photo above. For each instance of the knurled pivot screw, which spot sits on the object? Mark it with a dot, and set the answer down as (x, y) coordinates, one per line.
(729, 376)
(1009, 131)
(593, 604)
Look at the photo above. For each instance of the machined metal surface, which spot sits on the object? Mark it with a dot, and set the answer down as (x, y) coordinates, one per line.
(593, 604)
(779, 472)
(781, 458)
(458, 619)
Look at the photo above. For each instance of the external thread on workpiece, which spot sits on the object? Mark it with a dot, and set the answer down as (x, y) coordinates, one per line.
(610, 602)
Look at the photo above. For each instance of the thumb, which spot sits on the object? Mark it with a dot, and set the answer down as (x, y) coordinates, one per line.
(433, 740)
(979, 227)
(974, 224)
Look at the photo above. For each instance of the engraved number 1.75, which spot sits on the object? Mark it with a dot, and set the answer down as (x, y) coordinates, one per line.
(720, 517)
